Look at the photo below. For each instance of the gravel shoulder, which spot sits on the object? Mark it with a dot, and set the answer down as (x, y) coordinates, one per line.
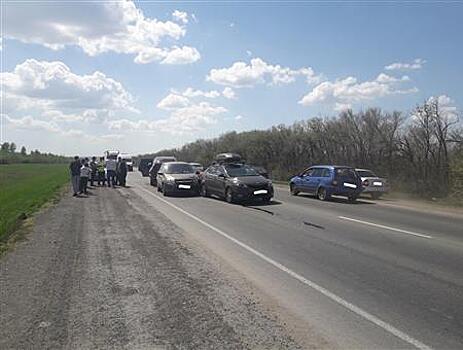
(109, 272)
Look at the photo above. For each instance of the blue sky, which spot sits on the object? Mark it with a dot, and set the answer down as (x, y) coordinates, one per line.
(278, 63)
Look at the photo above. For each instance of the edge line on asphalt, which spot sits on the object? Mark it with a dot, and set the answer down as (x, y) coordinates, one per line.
(421, 235)
(337, 299)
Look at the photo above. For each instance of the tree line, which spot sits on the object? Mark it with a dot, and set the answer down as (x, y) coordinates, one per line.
(9, 155)
(420, 152)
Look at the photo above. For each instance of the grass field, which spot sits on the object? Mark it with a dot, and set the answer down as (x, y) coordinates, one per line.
(24, 188)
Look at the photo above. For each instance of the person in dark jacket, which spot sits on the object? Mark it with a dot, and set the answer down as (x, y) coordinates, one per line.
(74, 168)
(122, 172)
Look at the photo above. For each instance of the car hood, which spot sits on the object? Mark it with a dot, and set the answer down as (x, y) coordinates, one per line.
(252, 180)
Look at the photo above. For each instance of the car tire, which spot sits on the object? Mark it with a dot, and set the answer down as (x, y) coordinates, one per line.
(376, 195)
(152, 183)
(164, 191)
(322, 194)
(229, 195)
(159, 188)
(292, 190)
(352, 199)
(203, 191)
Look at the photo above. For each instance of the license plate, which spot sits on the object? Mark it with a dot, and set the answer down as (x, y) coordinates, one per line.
(186, 187)
(377, 183)
(261, 192)
(347, 184)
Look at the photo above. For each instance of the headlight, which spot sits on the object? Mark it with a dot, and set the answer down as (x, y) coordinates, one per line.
(238, 183)
(170, 178)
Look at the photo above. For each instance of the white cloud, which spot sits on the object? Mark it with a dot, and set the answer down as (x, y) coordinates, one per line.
(190, 92)
(99, 27)
(258, 71)
(173, 101)
(52, 89)
(182, 120)
(30, 123)
(415, 65)
(181, 55)
(229, 93)
(447, 107)
(343, 93)
(180, 16)
(238, 117)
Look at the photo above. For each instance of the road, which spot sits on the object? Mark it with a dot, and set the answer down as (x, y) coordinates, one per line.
(401, 266)
(295, 273)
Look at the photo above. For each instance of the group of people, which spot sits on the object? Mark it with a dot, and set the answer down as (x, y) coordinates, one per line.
(85, 171)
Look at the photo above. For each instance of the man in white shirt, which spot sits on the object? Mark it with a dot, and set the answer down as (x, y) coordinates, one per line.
(111, 166)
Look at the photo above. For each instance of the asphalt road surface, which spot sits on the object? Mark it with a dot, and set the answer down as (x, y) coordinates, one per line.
(130, 268)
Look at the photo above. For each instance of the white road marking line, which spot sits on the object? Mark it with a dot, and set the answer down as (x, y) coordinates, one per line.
(386, 227)
(355, 309)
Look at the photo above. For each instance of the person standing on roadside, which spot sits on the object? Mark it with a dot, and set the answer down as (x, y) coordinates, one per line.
(93, 167)
(111, 166)
(85, 173)
(122, 172)
(74, 168)
(101, 173)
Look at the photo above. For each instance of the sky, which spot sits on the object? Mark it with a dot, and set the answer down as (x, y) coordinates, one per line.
(84, 77)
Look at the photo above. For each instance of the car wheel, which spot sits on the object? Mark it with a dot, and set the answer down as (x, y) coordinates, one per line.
(164, 191)
(376, 195)
(322, 194)
(352, 199)
(292, 189)
(159, 188)
(229, 195)
(203, 191)
(152, 182)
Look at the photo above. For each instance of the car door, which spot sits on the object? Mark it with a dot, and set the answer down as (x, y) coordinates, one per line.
(314, 179)
(221, 181)
(209, 178)
(305, 180)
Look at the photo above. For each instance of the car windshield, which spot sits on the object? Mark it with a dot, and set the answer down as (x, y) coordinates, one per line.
(240, 170)
(365, 173)
(179, 169)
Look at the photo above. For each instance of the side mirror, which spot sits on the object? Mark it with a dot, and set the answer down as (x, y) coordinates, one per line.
(221, 176)
(159, 173)
(198, 172)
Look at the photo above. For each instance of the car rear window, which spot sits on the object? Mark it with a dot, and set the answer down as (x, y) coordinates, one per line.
(346, 173)
(365, 173)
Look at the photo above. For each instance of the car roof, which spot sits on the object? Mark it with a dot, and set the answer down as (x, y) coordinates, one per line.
(331, 166)
(175, 162)
(358, 169)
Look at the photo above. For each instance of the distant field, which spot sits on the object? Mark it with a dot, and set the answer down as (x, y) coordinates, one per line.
(24, 188)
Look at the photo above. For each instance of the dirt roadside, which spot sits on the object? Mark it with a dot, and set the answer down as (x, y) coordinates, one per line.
(106, 272)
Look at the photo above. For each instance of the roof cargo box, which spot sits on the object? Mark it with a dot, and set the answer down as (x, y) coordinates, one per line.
(228, 158)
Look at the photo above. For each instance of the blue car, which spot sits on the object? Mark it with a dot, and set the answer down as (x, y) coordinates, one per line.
(325, 181)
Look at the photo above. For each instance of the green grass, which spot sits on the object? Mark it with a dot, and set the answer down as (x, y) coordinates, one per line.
(24, 188)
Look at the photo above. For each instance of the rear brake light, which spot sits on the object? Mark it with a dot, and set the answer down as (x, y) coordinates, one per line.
(365, 183)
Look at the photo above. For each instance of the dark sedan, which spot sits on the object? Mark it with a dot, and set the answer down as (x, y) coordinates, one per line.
(177, 177)
(236, 183)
